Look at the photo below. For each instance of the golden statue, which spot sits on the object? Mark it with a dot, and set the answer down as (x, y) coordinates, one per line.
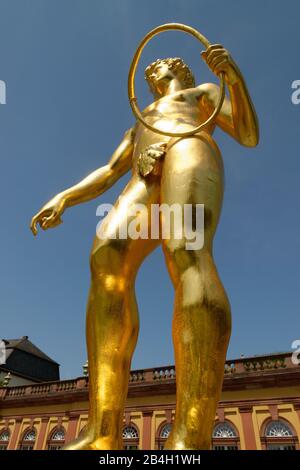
(183, 169)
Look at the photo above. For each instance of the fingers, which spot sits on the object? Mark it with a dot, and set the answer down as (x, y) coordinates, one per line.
(52, 221)
(214, 51)
(33, 225)
(44, 221)
(37, 219)
(212, 47)
(220, 67)
(215, 55)
(213, 65)
(217, 58)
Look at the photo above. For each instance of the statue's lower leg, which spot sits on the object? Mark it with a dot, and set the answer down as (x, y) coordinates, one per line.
(112, 329)
(201, 330)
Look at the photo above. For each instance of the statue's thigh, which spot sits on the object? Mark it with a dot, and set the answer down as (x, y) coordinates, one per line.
(193, 174)
(114, 242)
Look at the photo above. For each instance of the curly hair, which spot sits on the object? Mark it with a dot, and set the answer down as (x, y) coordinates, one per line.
(177, 66)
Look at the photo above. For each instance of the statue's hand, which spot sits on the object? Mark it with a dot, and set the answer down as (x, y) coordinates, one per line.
(219, 60)
(50, 214)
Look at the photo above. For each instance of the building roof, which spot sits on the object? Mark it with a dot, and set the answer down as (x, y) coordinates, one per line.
(23, 344)
(24, 359)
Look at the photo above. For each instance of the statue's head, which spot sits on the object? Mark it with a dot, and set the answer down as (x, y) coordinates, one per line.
(159, 73)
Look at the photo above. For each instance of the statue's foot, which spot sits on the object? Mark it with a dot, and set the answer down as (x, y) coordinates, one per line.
(178, 443)
(174, 445)
(81, 443)
(87, 442)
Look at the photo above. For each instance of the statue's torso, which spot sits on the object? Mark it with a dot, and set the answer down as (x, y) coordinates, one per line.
(178, 112)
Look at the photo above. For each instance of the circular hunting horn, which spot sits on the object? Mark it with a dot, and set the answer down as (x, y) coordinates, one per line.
(132, 71)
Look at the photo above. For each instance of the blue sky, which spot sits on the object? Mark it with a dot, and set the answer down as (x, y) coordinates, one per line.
(65, 64)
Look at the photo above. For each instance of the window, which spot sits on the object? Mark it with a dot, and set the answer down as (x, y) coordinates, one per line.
(57, 439)
(28, 441)
(278, 429)
(163, 435)
(278, 435)
(130, 438)
(225, 437)
(4, 439)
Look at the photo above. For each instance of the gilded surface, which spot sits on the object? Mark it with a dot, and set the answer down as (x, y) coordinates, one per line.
(191, 172)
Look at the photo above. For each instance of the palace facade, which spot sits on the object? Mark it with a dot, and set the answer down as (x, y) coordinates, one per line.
(259, 408)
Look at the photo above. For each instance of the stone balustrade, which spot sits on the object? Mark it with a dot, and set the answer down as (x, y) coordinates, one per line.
(237, 368)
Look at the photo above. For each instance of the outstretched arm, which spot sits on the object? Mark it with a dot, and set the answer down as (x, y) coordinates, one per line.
(89, 188)
(237, 116)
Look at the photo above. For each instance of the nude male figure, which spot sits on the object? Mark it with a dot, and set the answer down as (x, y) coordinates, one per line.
(191, 171)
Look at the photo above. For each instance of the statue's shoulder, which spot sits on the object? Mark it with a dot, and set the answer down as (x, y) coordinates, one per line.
(207, 92)
(205, 88)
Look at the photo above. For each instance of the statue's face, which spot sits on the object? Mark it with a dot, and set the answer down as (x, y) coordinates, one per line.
(160, 78)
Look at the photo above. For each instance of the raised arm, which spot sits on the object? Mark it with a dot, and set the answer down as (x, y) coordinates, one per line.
(89, 188)
(237, 116)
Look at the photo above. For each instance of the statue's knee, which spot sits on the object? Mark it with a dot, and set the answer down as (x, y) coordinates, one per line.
(178, 256)
(106, 257)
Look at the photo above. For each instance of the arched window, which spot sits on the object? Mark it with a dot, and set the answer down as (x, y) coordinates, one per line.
(57, 439)
(28, 440)
(279, 435)
(4, 439)
(162, 435)
(225, 437)
(130, 438)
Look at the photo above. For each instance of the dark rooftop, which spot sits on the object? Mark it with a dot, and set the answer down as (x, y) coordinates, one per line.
(23, 344)
(26, 360)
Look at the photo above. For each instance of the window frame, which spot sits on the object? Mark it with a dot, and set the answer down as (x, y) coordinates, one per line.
(56, 444)
(226, 443)
(5, 443)
(159, 440)
(284, 441)
(131, 443)
(27, 444)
